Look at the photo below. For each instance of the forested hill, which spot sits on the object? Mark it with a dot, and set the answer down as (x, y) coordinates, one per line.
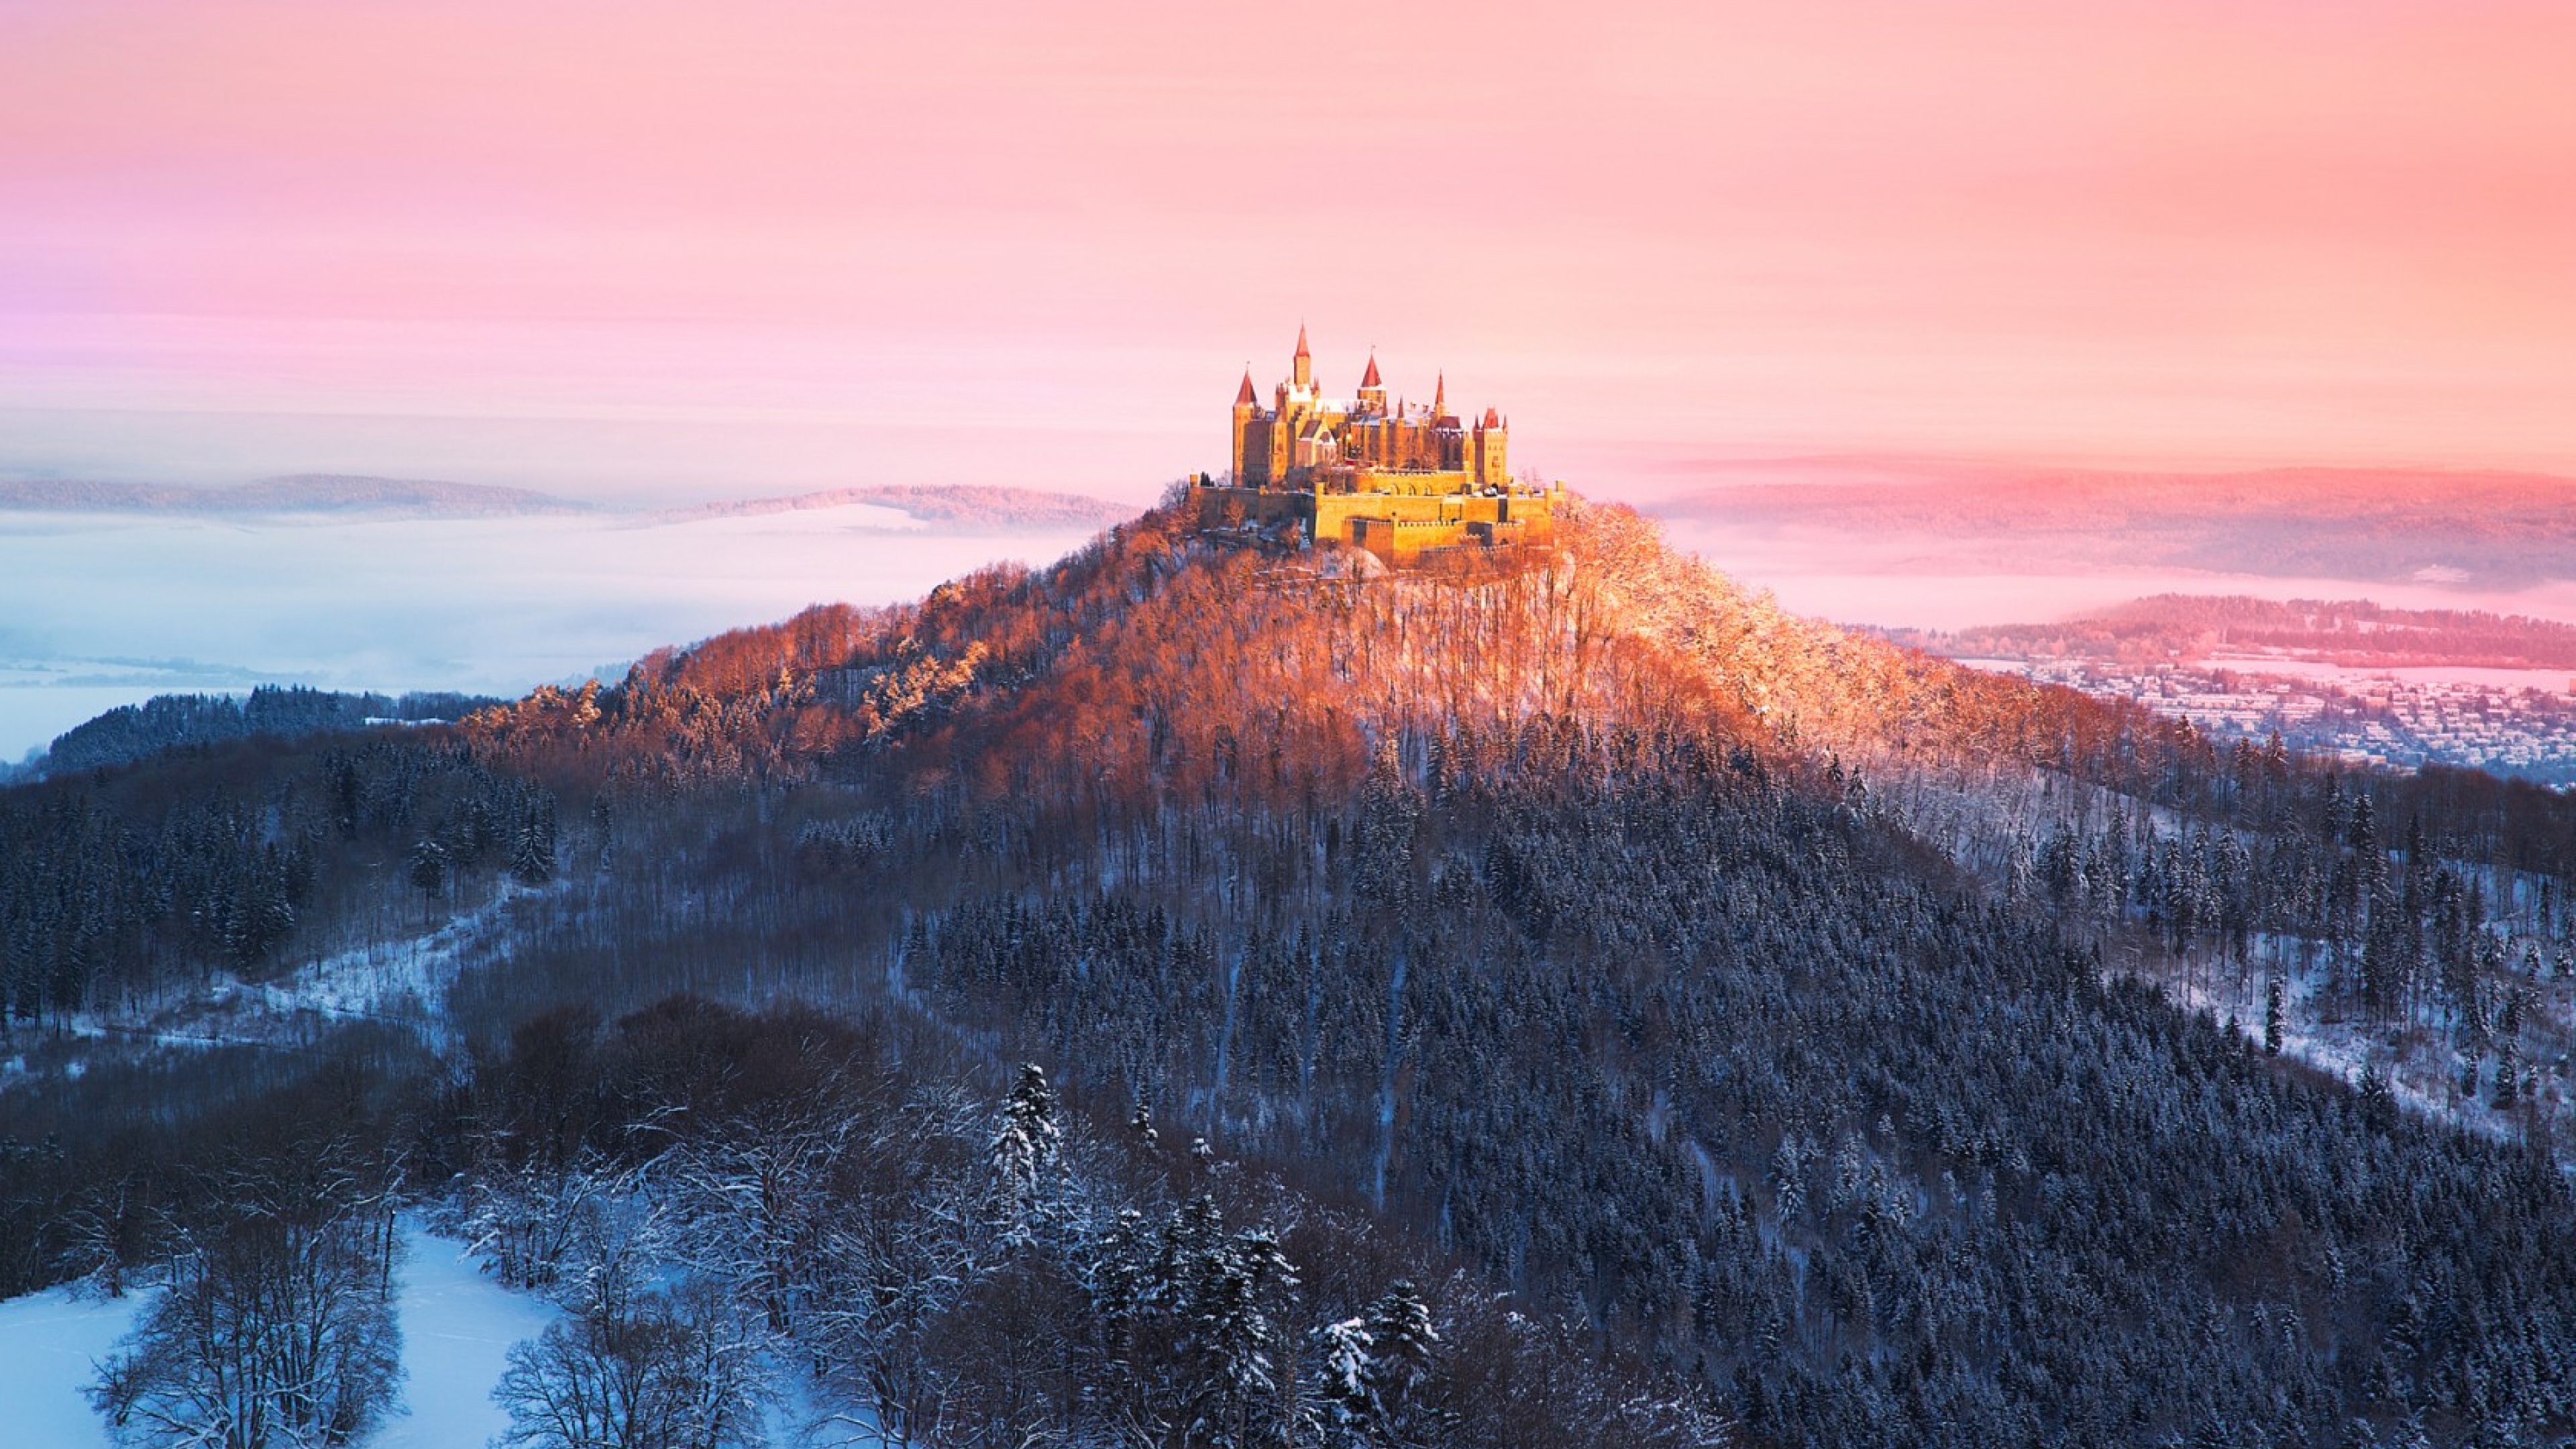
(1716, 1015)
(172, 721)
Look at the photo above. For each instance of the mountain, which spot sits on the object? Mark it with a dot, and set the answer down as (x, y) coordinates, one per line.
(301, 493)
(2494, 529)
(964, 507)
(1557, 1000)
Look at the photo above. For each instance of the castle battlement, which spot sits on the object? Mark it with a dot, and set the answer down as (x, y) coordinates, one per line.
(1399, 481)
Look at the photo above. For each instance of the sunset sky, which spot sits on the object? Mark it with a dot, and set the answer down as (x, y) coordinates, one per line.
(667, 249)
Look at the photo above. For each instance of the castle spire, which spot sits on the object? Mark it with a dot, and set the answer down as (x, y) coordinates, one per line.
(1301, 368)
(1440, 396)
(1301, 341)
(1244, 396)
(1369, 378)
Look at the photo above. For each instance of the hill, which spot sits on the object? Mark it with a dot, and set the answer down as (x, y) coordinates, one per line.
(1706, 1013)
(173, 721)
(2354, 632)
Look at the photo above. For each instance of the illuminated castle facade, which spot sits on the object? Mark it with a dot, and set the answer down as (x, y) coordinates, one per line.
(1399, 481)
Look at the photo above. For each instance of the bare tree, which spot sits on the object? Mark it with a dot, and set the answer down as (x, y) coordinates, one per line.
(274, 1328)
(635, 1367)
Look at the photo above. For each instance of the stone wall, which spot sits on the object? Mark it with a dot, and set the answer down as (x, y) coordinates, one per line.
(1405, 524)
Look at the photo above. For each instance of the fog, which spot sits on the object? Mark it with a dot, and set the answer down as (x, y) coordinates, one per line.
(1926, 582)
(102, 610)
(97, 611)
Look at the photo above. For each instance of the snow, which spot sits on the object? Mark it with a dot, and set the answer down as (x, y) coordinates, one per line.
(400, 979)
(47, 1344)
(457, 1327)
(457, 1330)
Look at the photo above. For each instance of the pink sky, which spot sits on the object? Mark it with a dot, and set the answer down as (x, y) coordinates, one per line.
(707, 248)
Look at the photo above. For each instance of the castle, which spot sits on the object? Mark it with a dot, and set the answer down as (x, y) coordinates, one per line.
(1399, 481)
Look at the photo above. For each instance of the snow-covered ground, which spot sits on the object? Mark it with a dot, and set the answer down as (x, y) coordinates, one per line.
(457, 1328)
(400, 979)
(48, 1342)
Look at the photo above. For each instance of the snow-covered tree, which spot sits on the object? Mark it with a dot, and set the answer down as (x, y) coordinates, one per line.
(274, 1330)
(635, 1367)
(1027, 1151)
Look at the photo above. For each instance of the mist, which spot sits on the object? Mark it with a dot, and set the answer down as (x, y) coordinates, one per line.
(103, 610)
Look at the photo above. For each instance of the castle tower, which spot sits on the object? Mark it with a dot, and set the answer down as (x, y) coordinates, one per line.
(1372, 391)
(1493, 446)
(1246, 404)
(1301, 368)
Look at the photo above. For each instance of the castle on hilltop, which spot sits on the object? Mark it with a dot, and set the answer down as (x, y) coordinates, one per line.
(1400, 481)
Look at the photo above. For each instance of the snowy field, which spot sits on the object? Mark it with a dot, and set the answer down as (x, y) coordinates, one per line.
(107, 609)
(457, 1328)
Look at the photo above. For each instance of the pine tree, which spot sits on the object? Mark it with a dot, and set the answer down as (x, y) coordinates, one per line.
(532, 851)
(2272, 1014)
(1372, 1364)
(1026, 1151)
(429, 868)
(1237, 1393)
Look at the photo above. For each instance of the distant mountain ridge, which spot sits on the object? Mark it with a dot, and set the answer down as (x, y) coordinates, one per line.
(293, 493)
(2346, 631)
(969, 506)
(960, 508)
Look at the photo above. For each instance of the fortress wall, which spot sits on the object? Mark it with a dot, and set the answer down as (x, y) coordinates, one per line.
(1412, 481)
(1395, 526)
(1256, 505)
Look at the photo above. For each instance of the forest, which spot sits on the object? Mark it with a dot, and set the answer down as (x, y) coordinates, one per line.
(1189, 996)
(172, 721)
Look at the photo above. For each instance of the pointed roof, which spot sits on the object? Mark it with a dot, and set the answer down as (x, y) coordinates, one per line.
(1301, 341)
(1369, 378)
(1245, 394)
(1440, 394)
(1493, 419)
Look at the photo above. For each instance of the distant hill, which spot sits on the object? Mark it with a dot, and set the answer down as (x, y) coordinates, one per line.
(297, 493)
(2481, 528)
(168, 721)
(2349, 631)
(963, 508)
(959, 509)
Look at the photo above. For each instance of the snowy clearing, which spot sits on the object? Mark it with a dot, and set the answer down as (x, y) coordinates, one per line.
(457, 1328)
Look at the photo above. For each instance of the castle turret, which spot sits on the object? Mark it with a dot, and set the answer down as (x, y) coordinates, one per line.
(1301, 368)
(1493, 447)
(1372, 391)
(1247, 405)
